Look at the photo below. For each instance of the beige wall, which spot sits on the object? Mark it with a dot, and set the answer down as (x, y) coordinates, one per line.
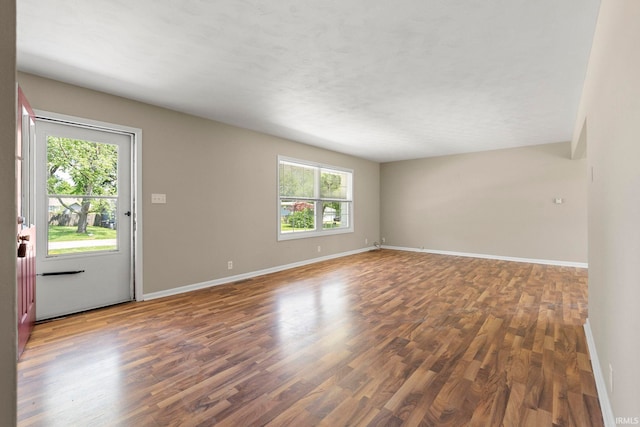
(8, 316)
(221, 189)
(611, 106)
(494, 203)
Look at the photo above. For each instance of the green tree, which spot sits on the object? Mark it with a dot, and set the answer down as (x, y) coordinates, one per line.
(296, 181)
(331, 187)
(82, 169)
(302, 219)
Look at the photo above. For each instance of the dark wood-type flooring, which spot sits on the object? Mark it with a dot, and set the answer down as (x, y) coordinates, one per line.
(384, 338)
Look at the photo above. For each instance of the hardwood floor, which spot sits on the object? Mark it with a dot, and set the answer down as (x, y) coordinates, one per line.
(382, 338)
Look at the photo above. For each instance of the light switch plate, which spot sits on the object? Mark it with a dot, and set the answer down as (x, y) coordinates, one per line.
(158, 198)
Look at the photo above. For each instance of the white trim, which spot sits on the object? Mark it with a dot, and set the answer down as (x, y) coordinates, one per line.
(136, 184)
(296, 162)
(137, 219)
(306, 234)
(601, 385)
(252, 274)
(496, 257)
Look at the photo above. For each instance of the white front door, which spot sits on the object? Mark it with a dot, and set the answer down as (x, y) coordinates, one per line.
(84, 218)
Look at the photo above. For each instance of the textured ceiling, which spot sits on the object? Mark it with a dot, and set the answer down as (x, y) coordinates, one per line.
(380, 80)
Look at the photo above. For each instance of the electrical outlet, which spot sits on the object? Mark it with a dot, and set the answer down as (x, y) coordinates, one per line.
(319, 248)
(384, 240)
(229, 265)
(366, 241)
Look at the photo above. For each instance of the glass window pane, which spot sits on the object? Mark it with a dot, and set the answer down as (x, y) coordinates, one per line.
(333, 184)
(81, 167)
(296, 180)
(335, 215)
(81, 224)
(297, 215)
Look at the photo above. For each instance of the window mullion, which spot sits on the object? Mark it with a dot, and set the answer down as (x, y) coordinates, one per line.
(318, 216)
(317, 203)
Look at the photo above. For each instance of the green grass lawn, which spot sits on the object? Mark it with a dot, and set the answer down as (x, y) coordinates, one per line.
(284, 228)
(58, 233)
(287, 227)
(81, 250)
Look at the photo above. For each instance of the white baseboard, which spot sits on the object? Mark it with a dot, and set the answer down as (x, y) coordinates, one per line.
(496, 257)
(601, 385)
(244, 276)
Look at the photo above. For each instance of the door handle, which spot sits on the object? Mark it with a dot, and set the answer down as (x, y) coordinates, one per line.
(22, 247)
(60, 273)
(128, 213)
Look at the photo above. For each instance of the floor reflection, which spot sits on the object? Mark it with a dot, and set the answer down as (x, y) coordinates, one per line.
(311, 313)
(78, 388)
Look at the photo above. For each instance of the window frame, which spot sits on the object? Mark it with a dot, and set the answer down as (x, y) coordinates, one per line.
(316, 199)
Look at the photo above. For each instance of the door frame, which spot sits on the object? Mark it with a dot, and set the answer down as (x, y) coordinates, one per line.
(136, 185)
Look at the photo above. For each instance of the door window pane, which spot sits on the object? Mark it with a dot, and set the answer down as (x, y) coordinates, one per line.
(71, 231)
(82, 189)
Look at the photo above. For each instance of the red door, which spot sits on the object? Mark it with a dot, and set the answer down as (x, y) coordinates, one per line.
(26, 274)
(26, 235)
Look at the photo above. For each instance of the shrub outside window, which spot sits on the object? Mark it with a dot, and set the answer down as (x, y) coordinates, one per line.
(313, 199)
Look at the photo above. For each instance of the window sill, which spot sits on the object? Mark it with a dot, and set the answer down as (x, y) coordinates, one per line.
(307, 234)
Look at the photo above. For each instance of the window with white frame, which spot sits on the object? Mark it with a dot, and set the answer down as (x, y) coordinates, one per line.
(313, 199)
